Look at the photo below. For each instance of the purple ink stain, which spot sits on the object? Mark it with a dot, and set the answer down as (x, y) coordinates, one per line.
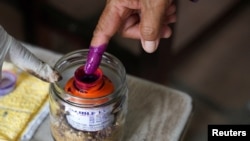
(90, 78)
(83, 80)
(7, 82)
(94, 58)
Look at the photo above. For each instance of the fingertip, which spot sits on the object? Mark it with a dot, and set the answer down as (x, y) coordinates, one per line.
(171, 10)
(56, 76)
(150, 46)
(166, 32)
(171, 19)
(44, 72)
(94, 58)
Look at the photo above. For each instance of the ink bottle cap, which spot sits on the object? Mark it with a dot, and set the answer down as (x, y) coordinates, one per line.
(84, 85)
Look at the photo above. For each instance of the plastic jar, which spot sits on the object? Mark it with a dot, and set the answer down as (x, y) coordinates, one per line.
(80, 118)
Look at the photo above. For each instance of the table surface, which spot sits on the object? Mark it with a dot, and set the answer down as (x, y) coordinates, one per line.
(155, 112)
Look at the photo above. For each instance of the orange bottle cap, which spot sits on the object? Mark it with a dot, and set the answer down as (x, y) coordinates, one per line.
(84, 85)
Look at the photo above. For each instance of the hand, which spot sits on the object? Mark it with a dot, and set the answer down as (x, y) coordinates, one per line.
(16, 53)
(147, 20)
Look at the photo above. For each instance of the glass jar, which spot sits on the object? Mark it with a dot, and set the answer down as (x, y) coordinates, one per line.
(75, 118)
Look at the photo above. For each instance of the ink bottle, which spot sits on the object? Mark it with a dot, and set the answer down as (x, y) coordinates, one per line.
(88, 107)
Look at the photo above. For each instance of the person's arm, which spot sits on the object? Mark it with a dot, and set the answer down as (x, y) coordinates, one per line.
(13, 51)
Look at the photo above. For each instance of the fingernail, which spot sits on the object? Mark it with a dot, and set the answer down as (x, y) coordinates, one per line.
(150, 46)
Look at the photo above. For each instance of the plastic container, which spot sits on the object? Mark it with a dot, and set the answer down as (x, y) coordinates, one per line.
(92, 109)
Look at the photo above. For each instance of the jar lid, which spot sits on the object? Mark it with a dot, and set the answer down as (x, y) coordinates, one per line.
(84, 85)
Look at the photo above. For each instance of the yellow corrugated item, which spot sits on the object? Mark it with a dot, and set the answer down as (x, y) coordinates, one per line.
(18, 108)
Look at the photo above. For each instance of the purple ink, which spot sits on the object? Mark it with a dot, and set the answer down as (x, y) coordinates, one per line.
(81, 76)
(7, 82)
(94, 58)
(83, 80)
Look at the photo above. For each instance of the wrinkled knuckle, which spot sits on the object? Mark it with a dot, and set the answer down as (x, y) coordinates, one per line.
(148, 33)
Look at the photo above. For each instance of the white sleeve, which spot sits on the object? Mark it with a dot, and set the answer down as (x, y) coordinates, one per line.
(15, 52)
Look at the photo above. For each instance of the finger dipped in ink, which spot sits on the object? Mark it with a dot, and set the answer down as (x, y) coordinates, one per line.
(94, 58)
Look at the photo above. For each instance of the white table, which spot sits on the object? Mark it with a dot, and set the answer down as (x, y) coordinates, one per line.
(155, 112)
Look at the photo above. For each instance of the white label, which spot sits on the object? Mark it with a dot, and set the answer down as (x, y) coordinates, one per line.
(90, 119)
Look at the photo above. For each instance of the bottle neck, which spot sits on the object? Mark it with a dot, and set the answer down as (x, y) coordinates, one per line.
(94, 85)
(84, 82)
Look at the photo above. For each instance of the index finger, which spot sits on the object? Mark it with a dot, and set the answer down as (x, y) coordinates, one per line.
(107, 26)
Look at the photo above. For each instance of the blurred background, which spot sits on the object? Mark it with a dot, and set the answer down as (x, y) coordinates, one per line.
(207, 57)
